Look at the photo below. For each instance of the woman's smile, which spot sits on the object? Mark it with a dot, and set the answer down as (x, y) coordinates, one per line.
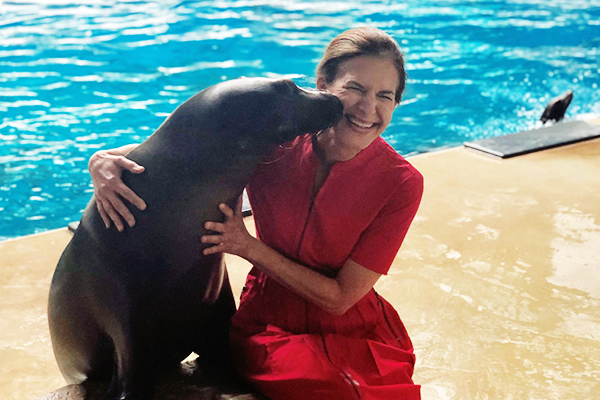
(362, 124)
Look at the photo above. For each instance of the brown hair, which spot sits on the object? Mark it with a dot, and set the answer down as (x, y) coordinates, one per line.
(363, 41)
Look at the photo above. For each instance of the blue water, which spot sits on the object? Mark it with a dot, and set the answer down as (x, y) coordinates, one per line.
(96, 74)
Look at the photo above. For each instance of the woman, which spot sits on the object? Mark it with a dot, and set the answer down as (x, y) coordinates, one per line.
(331, 212)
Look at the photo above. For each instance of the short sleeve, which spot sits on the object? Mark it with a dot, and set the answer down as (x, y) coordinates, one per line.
(381, 240)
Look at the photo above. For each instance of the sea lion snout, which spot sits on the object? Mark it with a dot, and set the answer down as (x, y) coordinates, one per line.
(317, 110)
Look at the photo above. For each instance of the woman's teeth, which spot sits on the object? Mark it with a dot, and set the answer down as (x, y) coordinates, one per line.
(360, 123)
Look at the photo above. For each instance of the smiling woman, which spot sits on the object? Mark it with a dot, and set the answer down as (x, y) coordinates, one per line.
(309, 298)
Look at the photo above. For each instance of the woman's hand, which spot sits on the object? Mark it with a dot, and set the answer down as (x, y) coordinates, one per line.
(335, 295)
(233, 237)
(106, 169)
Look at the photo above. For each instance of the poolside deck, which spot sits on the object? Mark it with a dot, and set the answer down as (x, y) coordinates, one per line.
(498, 281)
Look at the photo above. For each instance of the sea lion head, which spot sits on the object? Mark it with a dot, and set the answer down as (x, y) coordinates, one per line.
(272, 111)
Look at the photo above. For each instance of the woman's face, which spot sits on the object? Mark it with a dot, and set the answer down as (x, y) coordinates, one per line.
(367, 87)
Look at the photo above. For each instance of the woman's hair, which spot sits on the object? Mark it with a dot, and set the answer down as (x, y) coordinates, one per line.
(363, 41)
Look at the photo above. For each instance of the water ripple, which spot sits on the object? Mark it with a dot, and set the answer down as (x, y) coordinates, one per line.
(77, 77)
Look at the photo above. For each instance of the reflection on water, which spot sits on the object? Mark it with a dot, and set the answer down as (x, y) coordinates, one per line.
(79, 76)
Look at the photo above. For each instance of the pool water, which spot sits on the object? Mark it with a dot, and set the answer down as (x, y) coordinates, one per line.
(78, 77)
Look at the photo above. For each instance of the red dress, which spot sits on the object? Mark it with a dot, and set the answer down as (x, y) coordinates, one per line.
(287, 347)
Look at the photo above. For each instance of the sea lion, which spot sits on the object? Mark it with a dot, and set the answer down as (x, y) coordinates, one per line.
(556, 108)
(125, 304)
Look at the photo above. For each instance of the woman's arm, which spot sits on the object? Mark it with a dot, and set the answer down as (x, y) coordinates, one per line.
(335, 295)
(106, 167)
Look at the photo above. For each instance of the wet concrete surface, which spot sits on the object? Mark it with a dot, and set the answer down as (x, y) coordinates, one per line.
(498, 282)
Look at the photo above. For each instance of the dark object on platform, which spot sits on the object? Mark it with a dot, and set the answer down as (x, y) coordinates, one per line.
(555, 110)
(537, 139)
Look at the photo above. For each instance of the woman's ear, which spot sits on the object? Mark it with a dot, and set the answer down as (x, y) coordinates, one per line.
(321, 84)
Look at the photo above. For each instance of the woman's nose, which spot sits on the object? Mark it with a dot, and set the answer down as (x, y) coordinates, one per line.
(367, 104)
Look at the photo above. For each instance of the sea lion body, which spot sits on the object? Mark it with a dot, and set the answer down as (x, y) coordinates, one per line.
(128, 303)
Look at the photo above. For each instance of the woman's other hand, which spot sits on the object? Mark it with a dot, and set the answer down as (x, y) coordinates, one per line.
(106, 168)
(233, 237)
